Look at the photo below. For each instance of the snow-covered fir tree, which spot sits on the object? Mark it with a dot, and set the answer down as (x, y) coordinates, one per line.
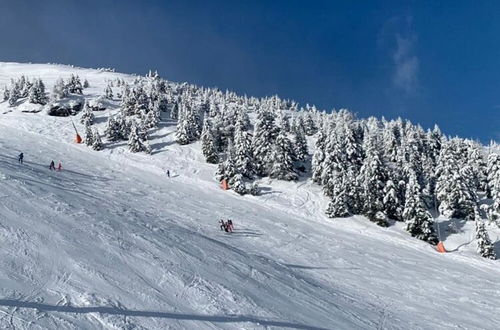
(237, 184)
(338, 206)
(227, 169)
(319, 156)
(89, 135)
(309, 124)
(137, 140)
(36, 93)
(492, 172)
(243, 152)
(484, 245)
(208, 144)
(282, 159)
(60, 90)
(477, 164)
(494, 209)
(263, 142)
(185, 130)
(14, 93)
(87, 114)
(418, 221)
(108, 92)
(393, 206)
(97, 141)
(74, 85)
(372, 179)
(455, 195)
(300, 150)
(6, 93)
(113, 129)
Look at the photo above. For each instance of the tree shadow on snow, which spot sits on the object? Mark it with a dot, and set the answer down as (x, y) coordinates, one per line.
(304, 267)
(160, 147)
(230, 318)
(444, 227)
(496, 247)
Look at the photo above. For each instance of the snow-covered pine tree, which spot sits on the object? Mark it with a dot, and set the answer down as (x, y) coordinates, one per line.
(300, 146)
(242, 119)
(87, 114)
(392, 202)
(477, 164)
(108, 92)
(21, 86)
(254, 189)
(14, 94)
(309, 124)
(26, 89)
(484, 245)
(74, 85)
(6, 93)
(455, 195)
(193, 122)
(89, 136)
(318, 156)
(227, 169)
(492, 172)
(113, 129)
(282, 159)
(60, 90)
(418, 221)
(338, 206)
(243, 152)
(183, 134)
(494, 210)
(263, 142)
(137, 140)
(152, 118)
(372, 178)
(391, 141)
(237, 184)
(97, 145)
(208, 145)
(125, 126)
(36, 94)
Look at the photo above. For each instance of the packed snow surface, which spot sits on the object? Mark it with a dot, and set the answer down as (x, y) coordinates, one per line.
(110, 242)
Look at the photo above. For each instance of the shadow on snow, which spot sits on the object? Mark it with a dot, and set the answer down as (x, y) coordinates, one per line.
(230, 318)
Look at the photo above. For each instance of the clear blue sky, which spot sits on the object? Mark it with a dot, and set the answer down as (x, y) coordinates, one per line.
(428, 61)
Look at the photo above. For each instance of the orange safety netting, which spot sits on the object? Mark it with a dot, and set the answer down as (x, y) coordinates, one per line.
(440, 248)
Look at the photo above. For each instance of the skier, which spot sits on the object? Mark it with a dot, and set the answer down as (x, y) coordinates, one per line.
(222, 225)
(20, 158)
(230, 225)
(52, 166)
(168, 174)
(59, 166)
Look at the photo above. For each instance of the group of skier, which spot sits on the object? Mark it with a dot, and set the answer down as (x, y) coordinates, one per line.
(227, 226)
(52, 165)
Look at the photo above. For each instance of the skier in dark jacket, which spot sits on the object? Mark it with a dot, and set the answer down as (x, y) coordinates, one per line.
(230, 225)
(222, 225)
(20, 158)
(52, 166)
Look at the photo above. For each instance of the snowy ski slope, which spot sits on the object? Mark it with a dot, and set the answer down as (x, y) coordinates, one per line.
(112, 243)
